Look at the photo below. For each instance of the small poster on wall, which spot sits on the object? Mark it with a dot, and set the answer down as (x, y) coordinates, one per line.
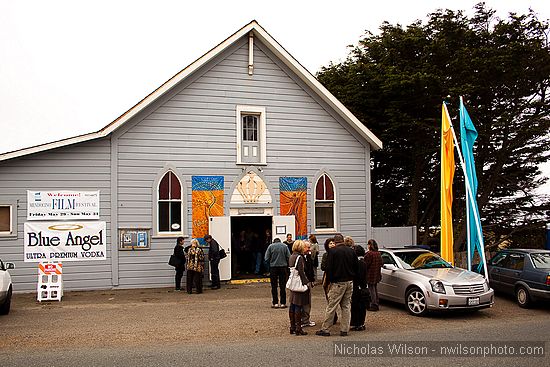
(134, 238)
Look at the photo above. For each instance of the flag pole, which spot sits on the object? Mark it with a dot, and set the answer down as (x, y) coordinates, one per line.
(468, 229)
(470, 196)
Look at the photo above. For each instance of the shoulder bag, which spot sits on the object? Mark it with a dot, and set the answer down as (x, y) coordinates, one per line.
(174, 261)
(294, 282)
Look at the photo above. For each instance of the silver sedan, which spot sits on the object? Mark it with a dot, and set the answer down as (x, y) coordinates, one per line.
(423, 281)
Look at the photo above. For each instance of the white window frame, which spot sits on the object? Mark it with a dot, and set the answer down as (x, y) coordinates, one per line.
(252, 110)
(183, 210)
(334, 228)
(12, 232)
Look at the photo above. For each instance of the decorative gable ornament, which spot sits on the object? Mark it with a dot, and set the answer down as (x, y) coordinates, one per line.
(251, 189)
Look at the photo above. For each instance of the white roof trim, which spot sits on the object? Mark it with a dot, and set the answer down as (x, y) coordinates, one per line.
(273, 45)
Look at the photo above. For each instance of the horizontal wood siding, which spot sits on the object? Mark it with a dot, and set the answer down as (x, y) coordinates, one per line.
(82, 167)
(195, 131)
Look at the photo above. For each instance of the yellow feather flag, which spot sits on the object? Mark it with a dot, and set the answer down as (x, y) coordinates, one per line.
(447, 175)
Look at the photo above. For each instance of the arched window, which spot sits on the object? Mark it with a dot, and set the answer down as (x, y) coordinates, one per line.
(325, 204)
(169, 204)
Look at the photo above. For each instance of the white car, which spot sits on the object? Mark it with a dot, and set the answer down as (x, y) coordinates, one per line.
(5, 287)
(423, 281)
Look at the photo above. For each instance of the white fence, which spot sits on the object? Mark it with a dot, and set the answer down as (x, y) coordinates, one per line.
(394, 236)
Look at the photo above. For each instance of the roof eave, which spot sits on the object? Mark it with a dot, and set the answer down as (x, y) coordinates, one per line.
(139, 106)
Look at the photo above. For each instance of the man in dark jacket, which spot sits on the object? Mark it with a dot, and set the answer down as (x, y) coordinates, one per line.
(214, 257)
(289, 242)
(360, 298)
(341, 267)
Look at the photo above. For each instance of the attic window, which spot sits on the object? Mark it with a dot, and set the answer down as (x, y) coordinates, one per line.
(251, 135)
(250, 127)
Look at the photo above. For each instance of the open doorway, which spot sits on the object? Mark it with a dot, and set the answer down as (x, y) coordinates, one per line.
(250, 237)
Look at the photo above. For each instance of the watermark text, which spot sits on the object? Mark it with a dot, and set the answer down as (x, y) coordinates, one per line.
(482, 349)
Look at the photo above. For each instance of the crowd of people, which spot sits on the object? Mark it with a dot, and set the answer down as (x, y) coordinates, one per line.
(349, 281)
(350, 278)
(192, 258)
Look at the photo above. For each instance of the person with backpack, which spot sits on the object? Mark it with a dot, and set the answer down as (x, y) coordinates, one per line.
(214, 258)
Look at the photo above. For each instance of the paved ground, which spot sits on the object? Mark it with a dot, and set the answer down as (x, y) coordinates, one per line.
(233, 314)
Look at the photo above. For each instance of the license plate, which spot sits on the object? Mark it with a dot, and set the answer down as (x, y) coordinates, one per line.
(473, 301)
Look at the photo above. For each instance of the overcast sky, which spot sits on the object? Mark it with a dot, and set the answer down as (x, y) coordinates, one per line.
(72, 67)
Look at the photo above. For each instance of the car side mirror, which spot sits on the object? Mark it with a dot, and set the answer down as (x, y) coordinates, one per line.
(389, 267)
(9, 266)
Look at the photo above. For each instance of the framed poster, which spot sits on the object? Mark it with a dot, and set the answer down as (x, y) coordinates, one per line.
(134, 238)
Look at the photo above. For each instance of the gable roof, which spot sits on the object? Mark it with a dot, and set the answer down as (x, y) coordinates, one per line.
(268, 41)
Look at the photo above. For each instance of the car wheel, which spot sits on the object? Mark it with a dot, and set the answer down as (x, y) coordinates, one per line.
(5, 307)
(416, 302)
(522, 297)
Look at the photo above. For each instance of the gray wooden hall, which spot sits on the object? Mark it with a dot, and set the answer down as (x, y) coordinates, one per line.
(242, 142)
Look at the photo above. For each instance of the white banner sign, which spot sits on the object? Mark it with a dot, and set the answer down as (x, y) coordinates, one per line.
(65, 241)
(62, 205)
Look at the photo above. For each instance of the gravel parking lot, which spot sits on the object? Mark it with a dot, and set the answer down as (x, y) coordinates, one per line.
(235, 313)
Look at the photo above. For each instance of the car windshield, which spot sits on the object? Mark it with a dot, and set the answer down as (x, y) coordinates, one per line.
(421, 260)
(541, 260)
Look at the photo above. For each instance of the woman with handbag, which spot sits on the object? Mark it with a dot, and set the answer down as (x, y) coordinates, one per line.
(298, 297)
(179, 261)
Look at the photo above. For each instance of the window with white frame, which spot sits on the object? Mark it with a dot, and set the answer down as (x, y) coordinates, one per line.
(251, 135)
(6, 220)
(325, 204)
(169, 211)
